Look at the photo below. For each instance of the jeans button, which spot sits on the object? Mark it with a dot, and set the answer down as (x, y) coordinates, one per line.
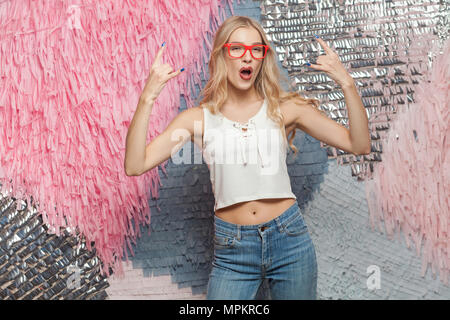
(263, 228)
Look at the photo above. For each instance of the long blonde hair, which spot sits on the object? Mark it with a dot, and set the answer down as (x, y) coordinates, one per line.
(267, 83)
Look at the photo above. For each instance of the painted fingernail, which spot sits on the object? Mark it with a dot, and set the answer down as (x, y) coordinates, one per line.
(182, 69)
(316, 36)
(308, 64)
(164, 43)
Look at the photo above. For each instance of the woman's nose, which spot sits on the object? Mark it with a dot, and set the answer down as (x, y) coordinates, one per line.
(248, 55)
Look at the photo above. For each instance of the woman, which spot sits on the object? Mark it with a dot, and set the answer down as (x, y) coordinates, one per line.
(259, 228)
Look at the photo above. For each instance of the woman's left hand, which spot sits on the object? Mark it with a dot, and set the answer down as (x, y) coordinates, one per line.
(331, 64)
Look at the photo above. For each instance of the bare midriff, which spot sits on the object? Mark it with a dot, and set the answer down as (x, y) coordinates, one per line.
(255, 211)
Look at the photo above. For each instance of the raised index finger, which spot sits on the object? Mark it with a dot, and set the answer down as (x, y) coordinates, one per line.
(324, 45)
(157, 61)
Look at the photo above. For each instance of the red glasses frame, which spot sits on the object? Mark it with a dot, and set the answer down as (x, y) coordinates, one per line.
(266, 47)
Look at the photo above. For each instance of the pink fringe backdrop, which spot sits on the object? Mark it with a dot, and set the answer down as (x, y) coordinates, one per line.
(71, 76)
(410, 187)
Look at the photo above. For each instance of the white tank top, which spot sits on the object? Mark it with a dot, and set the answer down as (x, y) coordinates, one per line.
(245, 165)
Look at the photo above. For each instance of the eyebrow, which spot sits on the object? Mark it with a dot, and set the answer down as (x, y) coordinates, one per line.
(242, 42)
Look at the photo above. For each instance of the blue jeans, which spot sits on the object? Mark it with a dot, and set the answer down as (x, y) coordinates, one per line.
(280, 250)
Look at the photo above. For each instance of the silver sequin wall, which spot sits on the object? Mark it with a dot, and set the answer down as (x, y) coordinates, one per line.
(38, 265)
(386, 46)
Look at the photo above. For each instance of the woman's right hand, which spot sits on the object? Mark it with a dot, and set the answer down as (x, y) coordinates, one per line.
(158, 77)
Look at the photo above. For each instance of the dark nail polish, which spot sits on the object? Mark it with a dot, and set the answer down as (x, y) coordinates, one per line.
(308, 64)
(316, 36)
(182, 69)
(163, 44)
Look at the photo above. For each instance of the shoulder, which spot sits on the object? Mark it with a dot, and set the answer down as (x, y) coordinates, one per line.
(188, 118)
(292, 110)
(195, 117)
(293, 105)
(192, 114)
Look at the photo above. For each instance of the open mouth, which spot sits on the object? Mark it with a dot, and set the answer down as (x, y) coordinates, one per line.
(246, 73)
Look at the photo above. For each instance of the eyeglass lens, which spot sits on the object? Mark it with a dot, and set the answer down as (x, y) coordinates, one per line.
(237, 51)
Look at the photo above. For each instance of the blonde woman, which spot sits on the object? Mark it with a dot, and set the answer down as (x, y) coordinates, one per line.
(245, 117)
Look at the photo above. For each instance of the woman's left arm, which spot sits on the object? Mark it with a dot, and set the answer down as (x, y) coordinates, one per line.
(359, 133)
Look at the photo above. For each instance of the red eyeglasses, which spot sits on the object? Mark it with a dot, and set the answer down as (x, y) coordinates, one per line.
(237, 50)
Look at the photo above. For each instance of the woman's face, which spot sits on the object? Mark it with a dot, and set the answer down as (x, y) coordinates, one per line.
(247, 36)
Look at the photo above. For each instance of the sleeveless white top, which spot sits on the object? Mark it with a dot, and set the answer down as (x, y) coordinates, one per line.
(246, 161)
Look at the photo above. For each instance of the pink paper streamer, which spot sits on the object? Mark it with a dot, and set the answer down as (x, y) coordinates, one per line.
(410, 187)
(70, 79)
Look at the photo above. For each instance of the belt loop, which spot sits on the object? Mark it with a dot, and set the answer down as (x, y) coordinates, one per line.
(239, 232)
(279, 224)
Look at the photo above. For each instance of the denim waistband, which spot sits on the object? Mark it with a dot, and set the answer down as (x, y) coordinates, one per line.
(236, 229)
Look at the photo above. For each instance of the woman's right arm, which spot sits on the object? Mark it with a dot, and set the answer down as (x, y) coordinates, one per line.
(140, 158)
(136, 138)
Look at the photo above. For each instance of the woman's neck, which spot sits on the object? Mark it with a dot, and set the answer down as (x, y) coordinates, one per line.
(242, 97)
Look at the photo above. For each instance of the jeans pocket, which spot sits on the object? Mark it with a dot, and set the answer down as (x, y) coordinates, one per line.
(296, 226)
(223, 240)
